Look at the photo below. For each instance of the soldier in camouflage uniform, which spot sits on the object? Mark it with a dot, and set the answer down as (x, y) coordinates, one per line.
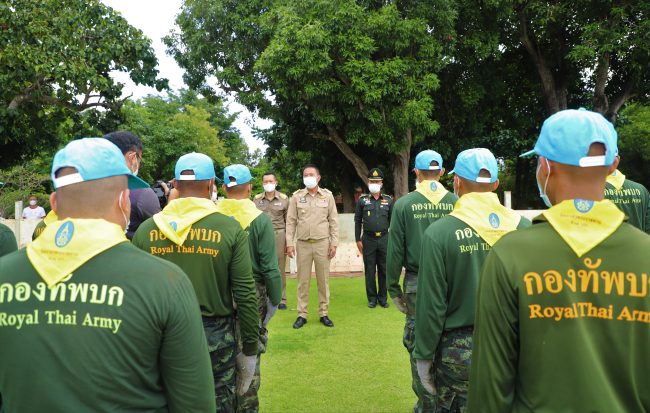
(453, 251)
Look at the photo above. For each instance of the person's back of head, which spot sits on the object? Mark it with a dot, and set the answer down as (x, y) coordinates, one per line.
(194, 176)
(576, 152)
(476, 170)
(237, 180)
(428, 166)
(125, 141)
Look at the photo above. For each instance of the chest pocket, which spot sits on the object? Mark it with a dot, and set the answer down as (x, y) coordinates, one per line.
(322, 203)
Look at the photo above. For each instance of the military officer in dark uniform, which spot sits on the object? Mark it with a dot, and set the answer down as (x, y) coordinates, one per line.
(372, 218)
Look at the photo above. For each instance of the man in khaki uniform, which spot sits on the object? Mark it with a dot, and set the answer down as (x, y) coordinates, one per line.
(275, 204)
(312, 220)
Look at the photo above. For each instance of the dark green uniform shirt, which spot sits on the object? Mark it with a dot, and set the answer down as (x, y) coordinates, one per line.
(216, 258)
(556, 332)
(452, 257)
(372, 214)
(412, 215)
(123, 334)
(40, 227)
(7, 240)
(261, 239)
(634, 200)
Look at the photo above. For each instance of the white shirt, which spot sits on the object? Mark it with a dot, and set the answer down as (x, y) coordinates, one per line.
(35, 213)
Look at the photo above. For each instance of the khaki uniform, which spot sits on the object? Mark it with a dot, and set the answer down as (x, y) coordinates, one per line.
(276, 209)
(313, 221)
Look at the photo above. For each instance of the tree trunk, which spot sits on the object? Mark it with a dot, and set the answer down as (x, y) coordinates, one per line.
(401, 167)
(359, 165)
(347, 193)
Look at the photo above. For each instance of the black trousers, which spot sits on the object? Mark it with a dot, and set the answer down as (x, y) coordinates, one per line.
(374, 262)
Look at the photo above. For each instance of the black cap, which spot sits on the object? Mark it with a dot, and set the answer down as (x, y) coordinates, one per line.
(375, 173)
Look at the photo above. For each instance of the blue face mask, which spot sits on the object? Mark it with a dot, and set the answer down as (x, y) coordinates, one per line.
(542, 193)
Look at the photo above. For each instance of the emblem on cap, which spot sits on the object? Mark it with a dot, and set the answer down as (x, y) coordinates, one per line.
(583, 205)
(375, 173)
(494, 220)
(64, 234)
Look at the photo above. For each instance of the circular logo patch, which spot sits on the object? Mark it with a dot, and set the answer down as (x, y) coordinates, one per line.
(433, 186)
(494, 220)
(174, 225)
(64, 234)
(582, 205)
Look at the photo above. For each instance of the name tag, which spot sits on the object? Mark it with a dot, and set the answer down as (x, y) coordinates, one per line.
(303, 200)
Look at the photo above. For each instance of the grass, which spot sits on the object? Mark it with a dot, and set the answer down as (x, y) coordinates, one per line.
(360, 365)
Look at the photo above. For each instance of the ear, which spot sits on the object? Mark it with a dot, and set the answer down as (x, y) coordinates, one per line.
(614, 166)
(124, 200)
(53, 204)
(495, 185)
(224, 188)
(442, 171)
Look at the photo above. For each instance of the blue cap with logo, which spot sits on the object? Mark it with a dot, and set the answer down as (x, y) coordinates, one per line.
(423, 160)
(470, 162)
(201, 165)
(567, 135)
(240, 173)
(93, 158)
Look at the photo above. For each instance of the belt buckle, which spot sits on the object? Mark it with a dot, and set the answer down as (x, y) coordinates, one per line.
(377, 234)
(311, 241)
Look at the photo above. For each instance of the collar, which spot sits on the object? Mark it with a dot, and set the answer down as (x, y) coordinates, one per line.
(584, 224)
(616, 179)
(434, 191)
(242, 210)
(484, 213)
(66, 245)
(176, 220)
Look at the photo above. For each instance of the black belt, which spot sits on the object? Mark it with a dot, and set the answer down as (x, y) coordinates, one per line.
(376, 234)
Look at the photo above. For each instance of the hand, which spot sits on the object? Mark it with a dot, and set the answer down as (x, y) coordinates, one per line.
(400, 304)
(424, 372)
(360, 246)
(291, 252)
(331, 253)
(245, 370)
(270, 312)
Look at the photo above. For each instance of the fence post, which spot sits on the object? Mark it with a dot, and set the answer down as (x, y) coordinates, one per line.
(507, 199)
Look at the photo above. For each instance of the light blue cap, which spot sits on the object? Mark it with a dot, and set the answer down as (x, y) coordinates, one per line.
(93, 158)
(240, 173)
(470, 162)
(423, 160)
(198, 163)
(567, 135)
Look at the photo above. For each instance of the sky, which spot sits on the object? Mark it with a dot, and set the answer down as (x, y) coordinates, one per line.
(156, 18)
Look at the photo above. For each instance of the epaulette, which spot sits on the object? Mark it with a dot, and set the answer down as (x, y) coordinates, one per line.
(327, 191)
(364, 196)
(259, 196)
(386, 196)
(297, 191)
(281, 195)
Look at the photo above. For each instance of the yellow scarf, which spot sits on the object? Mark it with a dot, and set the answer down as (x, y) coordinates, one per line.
(66, 245)
(484, 213)
(50, 217)
(432, 190)
(616, 179)
(176, 220)
(243, 210)
(584, 224)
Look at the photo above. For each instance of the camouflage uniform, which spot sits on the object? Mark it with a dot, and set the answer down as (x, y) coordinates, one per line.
(220, 333)
(451, 368)
(249, 401)
(426, 401)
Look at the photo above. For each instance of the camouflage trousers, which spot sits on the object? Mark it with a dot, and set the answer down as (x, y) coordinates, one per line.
(220, 333)
(451, 370)
(426, 401)
(249, 401)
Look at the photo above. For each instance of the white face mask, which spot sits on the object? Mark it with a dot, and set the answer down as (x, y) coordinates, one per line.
(32, 202)
(269, 188)
(374, 188)
(542, 192)
(213, 197)
(310, 182)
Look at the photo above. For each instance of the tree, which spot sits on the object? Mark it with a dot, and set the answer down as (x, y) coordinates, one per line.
(55, 63)
(356, 74)
(173, 126)
(19, 183)
(634, 142)
(588, 52)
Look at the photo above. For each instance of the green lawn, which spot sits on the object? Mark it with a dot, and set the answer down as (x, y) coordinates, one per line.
(359, 365)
